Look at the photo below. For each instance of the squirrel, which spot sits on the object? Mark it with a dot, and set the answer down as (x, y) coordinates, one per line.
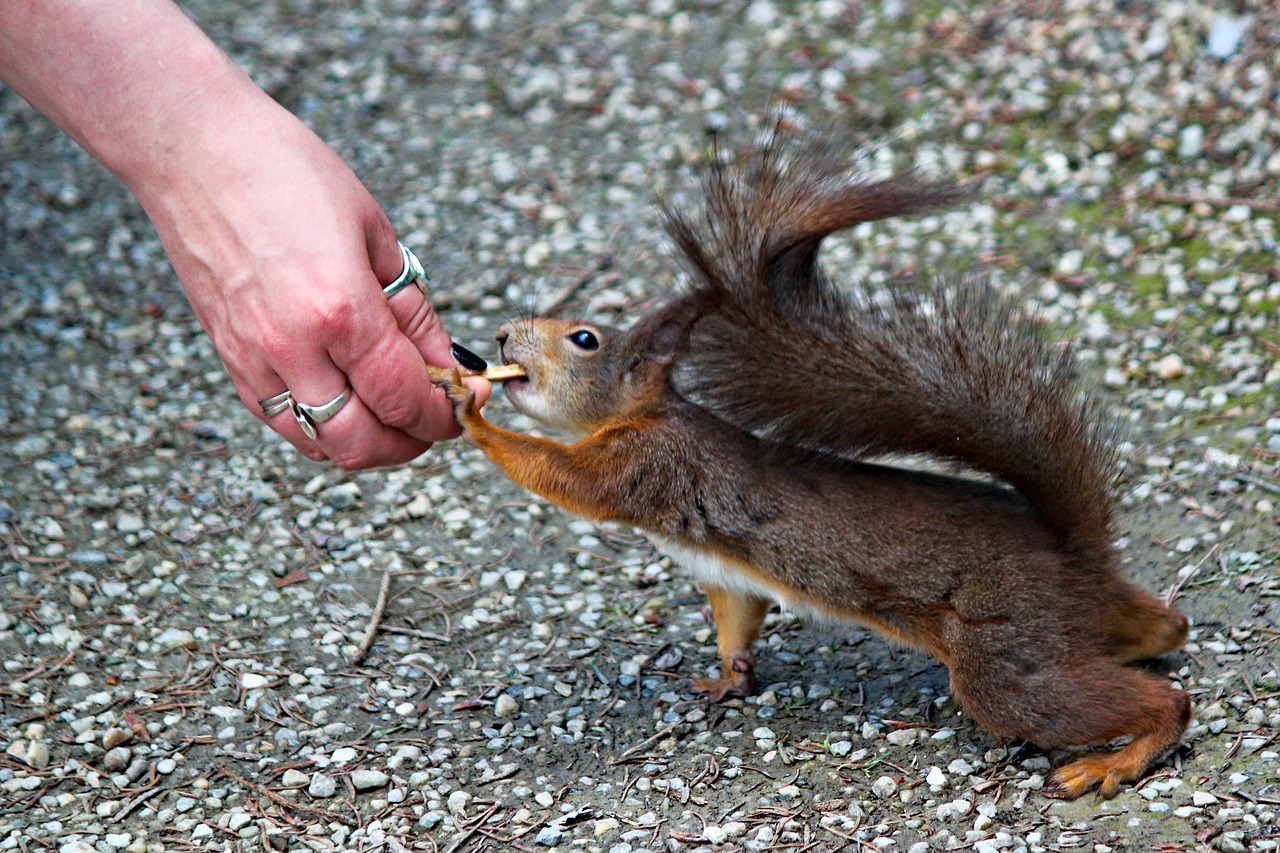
(732, 425)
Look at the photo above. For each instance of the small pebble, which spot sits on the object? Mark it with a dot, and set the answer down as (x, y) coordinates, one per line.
(884, 787)
(114, 737)
(458, 801)
(253, 680)
(116, 759)
(293, 778)
(549, 836)
(322, 786)
(367, 780)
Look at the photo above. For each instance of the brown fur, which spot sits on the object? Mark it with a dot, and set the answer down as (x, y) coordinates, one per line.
(1015, 590)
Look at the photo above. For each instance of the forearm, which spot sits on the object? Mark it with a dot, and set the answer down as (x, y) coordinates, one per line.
(130, 80)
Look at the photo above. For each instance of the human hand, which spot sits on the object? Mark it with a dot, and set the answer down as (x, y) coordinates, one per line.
(283, 254)
(281, 250)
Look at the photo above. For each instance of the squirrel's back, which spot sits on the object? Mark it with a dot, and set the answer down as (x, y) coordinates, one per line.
(949, 371)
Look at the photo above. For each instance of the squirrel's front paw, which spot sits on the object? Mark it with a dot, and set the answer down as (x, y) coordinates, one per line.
(450, 379)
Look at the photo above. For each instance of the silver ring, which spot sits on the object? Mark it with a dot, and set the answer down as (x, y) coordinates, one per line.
(273, 406)
(412, 273)
(309, 417)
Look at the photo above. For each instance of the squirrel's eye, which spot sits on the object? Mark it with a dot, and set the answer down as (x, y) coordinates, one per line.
(582, 339)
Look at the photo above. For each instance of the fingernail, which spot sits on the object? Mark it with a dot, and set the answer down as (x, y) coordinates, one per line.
(468, 359)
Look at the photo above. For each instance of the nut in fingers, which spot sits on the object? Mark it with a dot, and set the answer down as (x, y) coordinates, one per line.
(503, 372)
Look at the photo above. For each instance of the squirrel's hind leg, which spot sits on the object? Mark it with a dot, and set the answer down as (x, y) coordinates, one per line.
(1159, 716)
(1075, 702)
(1140, 626)
(738, 617)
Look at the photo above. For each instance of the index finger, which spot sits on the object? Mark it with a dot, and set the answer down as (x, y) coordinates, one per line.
(391, 341)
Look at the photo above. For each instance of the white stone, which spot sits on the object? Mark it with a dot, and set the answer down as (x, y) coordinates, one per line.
(172, 638)
(322, 786)
(1226, 34)
(419, 507)
(884, 787)
(367, 780)
(127, 523)
(954, 809)
(1191, 142)
(1171, 367)
(293, 778)
(37, 755)
(253, 680)
(505, 706)
(902, 737)
(458, 801)
(715, 834)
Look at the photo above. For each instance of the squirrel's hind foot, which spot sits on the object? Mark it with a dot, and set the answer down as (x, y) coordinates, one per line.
(1083, 775)
(733, 684)
(1102, 771)
(1079, 701)
(1107, 772)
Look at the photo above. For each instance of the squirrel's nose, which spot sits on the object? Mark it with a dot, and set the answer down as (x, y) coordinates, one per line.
(501, 336)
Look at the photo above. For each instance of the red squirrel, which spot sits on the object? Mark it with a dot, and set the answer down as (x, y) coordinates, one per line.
(731, 425)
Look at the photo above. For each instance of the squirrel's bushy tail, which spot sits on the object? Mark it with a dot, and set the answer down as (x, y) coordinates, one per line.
(950, 372)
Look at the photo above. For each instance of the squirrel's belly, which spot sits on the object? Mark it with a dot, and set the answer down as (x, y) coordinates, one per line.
(715, 570)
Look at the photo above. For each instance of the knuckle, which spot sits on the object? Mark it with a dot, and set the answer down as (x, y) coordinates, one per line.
(335, 318)
(276, 346)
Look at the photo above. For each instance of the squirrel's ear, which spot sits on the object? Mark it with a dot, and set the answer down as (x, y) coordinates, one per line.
(662, 336)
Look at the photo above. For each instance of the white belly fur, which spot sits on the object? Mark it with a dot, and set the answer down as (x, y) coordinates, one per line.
(714, 571)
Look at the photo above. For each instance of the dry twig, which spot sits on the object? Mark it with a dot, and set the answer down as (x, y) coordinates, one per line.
(374, 621)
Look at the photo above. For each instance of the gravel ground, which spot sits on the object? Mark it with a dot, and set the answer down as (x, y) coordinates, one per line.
(185, 600)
